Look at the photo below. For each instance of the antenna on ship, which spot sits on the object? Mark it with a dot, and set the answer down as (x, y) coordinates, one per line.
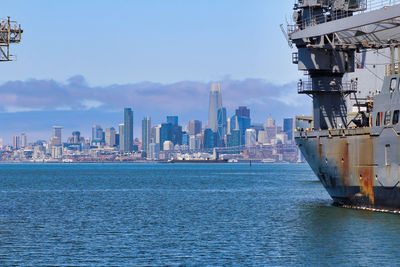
(10, 33)
(327, 34)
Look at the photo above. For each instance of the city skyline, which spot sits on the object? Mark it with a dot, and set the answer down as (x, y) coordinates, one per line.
(267, 142)
(262, 98)
(25, 138)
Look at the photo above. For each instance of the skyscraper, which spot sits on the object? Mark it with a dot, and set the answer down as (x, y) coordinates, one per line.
(194, 127)
(56, 139)
(243, 112)
(222, 127)
(97, 135)
(171, 131)
(215, 103)
(128, 130)
(194, 142)
(251, 137)
(146, 131)
(165, 134)
(288, 128)
(154, 149)
(241, 121)
(158, 135)
(76, 137)
(110, 137)
(121, 137)
(24, 140)
(57, 132)
(173, 120)
(16, 142)
(270, 122)
(210, 139)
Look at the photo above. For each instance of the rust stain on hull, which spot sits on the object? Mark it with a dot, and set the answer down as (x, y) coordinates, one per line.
(367, 183)
(366, 169)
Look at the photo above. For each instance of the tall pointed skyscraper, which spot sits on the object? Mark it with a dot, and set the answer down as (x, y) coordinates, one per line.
(215, 104)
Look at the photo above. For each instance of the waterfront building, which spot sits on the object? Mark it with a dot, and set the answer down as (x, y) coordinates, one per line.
(39, 152)
(154, 150)
(194, 142)
(16, 142)
(56, 152)
(146, 133)
(194, 127)
(215, 103)
(128, 130)
(24, 140)
(251, 137)
(110, 137)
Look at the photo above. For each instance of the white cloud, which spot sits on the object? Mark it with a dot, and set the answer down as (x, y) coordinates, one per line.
(90, 104)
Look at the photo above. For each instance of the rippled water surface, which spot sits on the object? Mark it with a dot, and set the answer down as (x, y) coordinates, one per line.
(171, 214)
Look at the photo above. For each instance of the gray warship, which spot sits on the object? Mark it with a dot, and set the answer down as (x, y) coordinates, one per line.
(354, 153)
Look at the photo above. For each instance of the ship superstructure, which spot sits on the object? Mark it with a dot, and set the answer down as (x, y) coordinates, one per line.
(355, 156)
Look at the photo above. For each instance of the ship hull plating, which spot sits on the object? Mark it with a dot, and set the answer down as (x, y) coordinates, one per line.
(356, 167)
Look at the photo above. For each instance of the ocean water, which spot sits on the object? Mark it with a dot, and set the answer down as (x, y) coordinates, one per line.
(171, 214)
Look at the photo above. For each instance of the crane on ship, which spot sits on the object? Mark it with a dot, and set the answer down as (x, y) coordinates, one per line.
(328, 34)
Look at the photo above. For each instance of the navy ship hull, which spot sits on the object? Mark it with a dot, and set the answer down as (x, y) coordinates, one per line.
(356, 167)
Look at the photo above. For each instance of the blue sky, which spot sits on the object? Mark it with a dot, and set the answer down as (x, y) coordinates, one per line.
(118, 42)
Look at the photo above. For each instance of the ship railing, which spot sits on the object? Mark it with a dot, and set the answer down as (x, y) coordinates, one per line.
(358, 7)
(306, 87)
(389, 69)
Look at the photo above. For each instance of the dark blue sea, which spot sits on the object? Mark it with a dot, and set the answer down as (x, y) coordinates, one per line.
(171, 214)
